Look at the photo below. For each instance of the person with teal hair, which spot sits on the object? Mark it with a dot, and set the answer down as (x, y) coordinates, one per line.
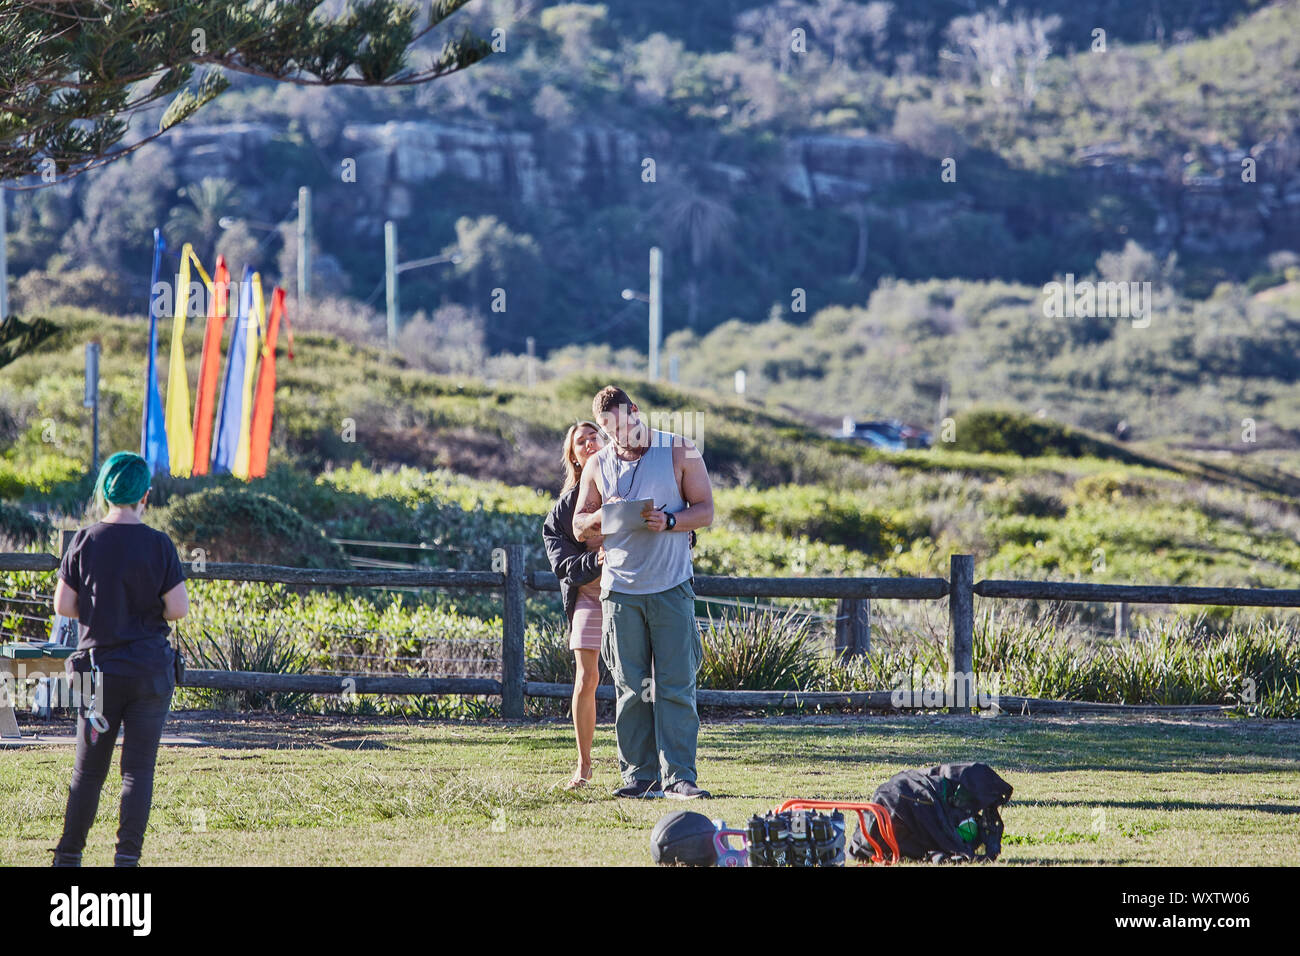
(124, 480)
(122, 581)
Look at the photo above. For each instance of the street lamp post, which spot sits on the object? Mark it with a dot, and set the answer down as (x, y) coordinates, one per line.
(656, 324)
(390, 279)
(654, 299)
(304, 246)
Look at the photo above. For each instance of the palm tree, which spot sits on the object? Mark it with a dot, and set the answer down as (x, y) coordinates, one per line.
(702, 224)
(199, 222)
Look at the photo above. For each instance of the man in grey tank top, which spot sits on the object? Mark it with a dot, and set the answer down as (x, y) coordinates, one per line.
(650, 641)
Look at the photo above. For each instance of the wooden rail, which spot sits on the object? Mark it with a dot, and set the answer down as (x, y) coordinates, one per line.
(708, 585)
(853, 628)
(1138, 593)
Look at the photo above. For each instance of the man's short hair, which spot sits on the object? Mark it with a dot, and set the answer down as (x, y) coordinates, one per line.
(609, 397)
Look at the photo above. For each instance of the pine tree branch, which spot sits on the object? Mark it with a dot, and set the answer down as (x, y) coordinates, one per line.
(72, 71)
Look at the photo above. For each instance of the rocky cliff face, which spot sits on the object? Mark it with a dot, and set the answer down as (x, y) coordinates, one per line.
(1214, 205)
(1205, 210)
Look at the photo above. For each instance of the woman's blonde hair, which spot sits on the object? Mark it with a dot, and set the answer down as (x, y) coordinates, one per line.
(571, 470)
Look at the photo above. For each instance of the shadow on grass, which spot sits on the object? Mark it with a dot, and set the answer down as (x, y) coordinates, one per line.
(1053, 747)
(1278, 808)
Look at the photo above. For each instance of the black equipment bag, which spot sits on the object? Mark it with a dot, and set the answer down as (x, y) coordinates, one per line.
(944, 813)
(796, 838)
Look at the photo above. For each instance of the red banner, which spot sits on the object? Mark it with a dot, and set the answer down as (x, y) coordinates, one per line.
(209, 369)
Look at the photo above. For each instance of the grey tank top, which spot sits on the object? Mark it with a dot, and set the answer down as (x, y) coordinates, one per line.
(642, 561)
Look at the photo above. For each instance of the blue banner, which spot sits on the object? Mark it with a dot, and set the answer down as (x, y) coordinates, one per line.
(153, 430)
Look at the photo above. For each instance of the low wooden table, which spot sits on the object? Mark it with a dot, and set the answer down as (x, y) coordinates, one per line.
(27, 661)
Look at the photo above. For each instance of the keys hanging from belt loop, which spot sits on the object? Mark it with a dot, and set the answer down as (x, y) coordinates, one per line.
(98, 722)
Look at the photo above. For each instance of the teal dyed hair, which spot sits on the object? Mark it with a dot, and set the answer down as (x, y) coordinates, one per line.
(123, 480)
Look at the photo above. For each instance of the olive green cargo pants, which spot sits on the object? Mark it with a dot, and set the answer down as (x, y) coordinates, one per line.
(653, 649)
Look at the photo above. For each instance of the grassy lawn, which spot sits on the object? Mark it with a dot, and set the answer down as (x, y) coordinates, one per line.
(339, 791)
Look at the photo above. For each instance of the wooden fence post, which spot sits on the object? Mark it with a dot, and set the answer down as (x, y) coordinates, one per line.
(1121, 620)
(961, 609)
(69, 633)
(852, 627)
(512, 635)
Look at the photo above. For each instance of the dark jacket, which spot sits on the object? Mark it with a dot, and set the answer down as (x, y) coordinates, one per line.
(572, 563)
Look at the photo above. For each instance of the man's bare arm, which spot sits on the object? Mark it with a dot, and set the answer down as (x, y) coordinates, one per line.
(586, 515)
(697, 490)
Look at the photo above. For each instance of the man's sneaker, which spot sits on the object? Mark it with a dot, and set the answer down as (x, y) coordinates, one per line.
(646, 789)
(685, 790)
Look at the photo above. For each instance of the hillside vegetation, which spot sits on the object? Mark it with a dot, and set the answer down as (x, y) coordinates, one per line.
(366, 447)
(461, 468)
(777, 171)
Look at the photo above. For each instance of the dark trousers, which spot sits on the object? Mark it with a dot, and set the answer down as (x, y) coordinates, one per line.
(652, 647)
(139, 706)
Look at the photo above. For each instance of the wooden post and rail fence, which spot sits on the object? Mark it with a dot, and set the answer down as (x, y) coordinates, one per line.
(852, 631)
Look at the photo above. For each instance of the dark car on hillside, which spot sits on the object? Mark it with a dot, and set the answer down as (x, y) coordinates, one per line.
(888, 435)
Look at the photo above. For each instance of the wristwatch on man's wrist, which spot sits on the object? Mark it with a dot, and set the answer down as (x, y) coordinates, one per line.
(672, 520)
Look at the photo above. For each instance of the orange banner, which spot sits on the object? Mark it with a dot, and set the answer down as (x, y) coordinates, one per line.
(264, 402)
(209, 369)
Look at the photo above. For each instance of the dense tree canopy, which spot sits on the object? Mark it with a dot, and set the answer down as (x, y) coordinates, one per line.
(72, 72)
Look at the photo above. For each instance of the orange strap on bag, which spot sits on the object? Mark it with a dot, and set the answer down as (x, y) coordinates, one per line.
(883, 823)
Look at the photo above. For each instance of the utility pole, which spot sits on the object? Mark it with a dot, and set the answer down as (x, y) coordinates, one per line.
(304, 246)
(532, 372)
(656, 317)
(91, 400)
(390, 279)
(393, 268)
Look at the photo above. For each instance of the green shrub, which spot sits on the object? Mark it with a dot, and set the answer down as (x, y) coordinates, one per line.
(234, 524)
(849, 519)
(1022, 498)
(26, 606)
(761, 650)
(258, 649)
(549, 659)
(1176, 660)
(19, 527)
(1002, 431)
(40, 477)
(1111, 486)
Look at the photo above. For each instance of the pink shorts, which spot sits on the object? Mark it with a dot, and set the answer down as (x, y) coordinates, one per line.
(586, 629)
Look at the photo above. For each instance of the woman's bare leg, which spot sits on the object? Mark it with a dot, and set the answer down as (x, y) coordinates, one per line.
(586, 676)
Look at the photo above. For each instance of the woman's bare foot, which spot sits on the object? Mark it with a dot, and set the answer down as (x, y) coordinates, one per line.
(581, 776)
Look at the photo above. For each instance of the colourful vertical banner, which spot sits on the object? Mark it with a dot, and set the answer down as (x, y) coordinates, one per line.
(209, 366)
(153, 430)
(180, 437)
(230, 412)
(264, 404)
(256, 324)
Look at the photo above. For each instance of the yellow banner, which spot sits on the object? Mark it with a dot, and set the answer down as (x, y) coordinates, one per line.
(180, 435)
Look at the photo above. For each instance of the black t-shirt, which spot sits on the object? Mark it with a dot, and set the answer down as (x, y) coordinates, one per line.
(120, 573)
